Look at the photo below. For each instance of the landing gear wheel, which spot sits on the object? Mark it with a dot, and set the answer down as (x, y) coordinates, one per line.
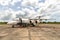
(12, 26)
(32, 24)
(24, 25)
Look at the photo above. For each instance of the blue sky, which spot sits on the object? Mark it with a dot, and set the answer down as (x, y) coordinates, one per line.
(10, 9)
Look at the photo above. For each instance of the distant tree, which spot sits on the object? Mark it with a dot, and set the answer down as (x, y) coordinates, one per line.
(54, 21)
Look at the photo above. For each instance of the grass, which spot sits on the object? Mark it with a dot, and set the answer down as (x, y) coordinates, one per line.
(50, 23)
(40, 23)
(3, 23)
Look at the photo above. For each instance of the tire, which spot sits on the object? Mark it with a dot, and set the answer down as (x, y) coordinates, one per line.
(32, 24)
(24, 25)
(12, 26)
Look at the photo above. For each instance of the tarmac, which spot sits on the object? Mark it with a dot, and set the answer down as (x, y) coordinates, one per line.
(42, 32)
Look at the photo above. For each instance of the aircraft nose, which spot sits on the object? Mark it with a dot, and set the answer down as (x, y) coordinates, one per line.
(9, 23)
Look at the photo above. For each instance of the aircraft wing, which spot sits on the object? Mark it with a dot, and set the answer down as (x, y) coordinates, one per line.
(42, 19)
(47, 19)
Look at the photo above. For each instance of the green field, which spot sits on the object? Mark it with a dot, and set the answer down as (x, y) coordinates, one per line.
(40, 22)
(3, 22)
(50, 23)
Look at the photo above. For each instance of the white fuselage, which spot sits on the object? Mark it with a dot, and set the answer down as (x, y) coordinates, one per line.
(24, 21)
(18, 21)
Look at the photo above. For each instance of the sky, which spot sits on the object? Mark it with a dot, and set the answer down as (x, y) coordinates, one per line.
(10, 9)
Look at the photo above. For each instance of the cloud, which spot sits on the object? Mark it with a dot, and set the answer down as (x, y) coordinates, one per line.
(9, 2)
(4, 2)
(28, 8)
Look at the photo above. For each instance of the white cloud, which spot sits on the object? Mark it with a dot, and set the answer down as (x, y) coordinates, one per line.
(11, 12)
(30, 12)
(4, 2)
(49, 7)
(14, 1)
(46, 17)
(7, 2)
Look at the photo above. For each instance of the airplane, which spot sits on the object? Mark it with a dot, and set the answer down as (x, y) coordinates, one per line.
(22, 22)
(25, 21)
